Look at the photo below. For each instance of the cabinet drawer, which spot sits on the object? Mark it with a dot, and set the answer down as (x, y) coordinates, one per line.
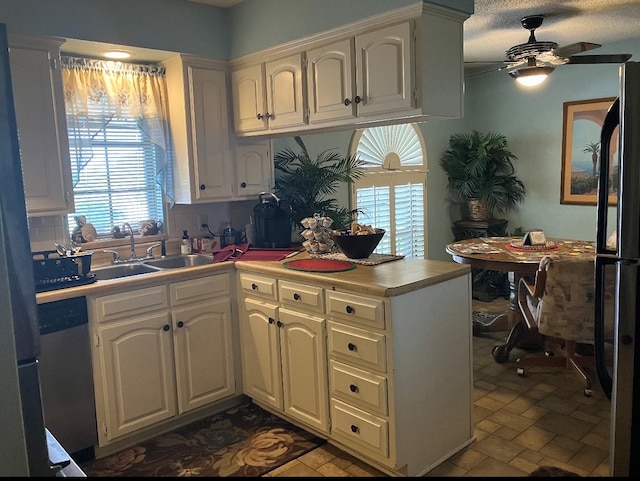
(360, 427)
(355, 345)
(359, 387)
(301, 295)
(128, 303)
(198, 289)
(365, 310)
(259, 285)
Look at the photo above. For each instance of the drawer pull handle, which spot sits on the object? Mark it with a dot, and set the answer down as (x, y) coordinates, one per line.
(353, 388)
(296, 297)
(180, 324)
(354, 428)
(352, 347)
(271, 320)
(350, 310)
(166, 327)
(254, 287)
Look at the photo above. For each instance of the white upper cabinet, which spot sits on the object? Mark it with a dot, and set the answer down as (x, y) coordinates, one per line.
(405, 65)
(210, 165)
(384, 70)
(42, 126)
(268, 96)
(254, 169)
(199, 127)
(371, 73)
(330, 81)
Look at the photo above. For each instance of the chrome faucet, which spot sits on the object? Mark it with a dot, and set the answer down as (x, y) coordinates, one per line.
(126, 225)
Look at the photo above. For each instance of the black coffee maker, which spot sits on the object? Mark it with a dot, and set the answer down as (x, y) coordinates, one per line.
(272, 225)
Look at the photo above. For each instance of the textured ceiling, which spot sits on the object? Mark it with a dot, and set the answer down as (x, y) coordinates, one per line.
(495, 25)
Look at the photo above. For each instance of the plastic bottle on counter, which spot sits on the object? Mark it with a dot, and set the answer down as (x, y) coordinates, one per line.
(229, 235)
(185, 246)
(249, 233)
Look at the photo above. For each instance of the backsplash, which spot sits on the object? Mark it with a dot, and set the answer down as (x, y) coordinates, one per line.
(44, 231)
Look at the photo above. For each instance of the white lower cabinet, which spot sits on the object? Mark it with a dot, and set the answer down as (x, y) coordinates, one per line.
(160, 352)
(398, 379)
(284, 352)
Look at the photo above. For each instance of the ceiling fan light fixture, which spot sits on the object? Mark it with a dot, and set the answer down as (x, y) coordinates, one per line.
(531, 76)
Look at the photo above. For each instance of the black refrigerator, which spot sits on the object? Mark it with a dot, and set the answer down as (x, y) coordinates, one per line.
(24, 440)
(617, 262)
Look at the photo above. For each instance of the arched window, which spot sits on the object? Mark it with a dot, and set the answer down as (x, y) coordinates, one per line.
(392, 193)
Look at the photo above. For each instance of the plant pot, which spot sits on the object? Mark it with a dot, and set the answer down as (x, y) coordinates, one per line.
(477, 210)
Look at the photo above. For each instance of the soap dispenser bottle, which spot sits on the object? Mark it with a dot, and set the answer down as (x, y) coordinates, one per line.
(185, 246)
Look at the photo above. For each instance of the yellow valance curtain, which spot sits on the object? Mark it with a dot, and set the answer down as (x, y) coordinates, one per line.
(100, 91)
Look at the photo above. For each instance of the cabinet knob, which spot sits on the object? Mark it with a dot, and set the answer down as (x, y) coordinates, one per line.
(347, 102)
(260, 116)
(166, 327)
(243, 185)
(269, 116)
(358, 99)
(202, 186)
(353, 388)
(279, 324)
(350, 310)
(354, 428)
(180, 324)
(352, 347)
(271, 320)
(296, 297)
(254, 287)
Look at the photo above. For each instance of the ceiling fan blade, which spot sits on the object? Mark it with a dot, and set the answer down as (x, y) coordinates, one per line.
(604, 58)
(574, 48)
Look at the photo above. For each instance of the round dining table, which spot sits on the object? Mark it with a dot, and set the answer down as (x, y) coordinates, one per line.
(508, 254)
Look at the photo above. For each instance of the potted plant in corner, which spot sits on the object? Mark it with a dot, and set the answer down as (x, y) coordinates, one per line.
(481, 173)
(306, 185)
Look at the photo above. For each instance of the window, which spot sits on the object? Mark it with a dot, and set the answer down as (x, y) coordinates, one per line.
(392, 193)
(118, 142)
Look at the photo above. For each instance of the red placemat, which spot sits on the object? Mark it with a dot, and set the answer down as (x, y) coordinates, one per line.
(319, 265)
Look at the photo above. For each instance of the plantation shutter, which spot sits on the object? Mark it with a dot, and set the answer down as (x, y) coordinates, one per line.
(391, 194)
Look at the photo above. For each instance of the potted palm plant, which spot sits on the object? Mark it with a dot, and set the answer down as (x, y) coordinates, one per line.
(480, 171)
(306, 184)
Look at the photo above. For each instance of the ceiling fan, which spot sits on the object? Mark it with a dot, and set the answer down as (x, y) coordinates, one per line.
(531, 62)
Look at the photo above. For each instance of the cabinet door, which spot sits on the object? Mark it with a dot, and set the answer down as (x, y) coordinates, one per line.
(138, 375)
(285, 105)
(385, 70)
(42, 128)
(249, 105)
(304, 368)
(254, 169)
(213, 167)
(330, 82)
(203, 353)
(262, 378)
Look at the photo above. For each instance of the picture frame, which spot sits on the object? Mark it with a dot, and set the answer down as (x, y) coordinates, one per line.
(581, 125)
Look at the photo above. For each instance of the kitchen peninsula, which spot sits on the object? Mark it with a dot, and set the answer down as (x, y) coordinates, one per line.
(376, 359)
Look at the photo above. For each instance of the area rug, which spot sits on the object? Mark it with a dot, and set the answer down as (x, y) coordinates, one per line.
(245, 441)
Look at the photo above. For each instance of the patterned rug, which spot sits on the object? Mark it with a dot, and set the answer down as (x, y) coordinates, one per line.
(245, 441)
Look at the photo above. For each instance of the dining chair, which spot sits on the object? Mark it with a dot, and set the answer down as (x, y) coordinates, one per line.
(560, 306)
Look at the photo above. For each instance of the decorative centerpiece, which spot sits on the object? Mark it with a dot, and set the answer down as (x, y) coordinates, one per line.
(359, 242)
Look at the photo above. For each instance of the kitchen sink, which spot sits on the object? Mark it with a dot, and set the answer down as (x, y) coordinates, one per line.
(122, 270)
(175, 262)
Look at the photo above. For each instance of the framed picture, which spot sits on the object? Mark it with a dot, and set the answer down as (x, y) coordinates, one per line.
(582, 121)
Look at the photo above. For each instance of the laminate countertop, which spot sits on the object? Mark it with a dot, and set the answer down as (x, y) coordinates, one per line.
(388, 279)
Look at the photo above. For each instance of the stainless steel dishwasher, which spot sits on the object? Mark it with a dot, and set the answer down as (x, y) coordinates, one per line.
(66, 378)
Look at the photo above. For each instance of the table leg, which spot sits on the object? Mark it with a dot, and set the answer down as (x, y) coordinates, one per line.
(519, 334)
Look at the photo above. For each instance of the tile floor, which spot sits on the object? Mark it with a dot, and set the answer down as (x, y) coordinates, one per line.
(521, 423)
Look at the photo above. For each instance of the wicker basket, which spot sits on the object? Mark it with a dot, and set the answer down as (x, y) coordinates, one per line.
(477, 210)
